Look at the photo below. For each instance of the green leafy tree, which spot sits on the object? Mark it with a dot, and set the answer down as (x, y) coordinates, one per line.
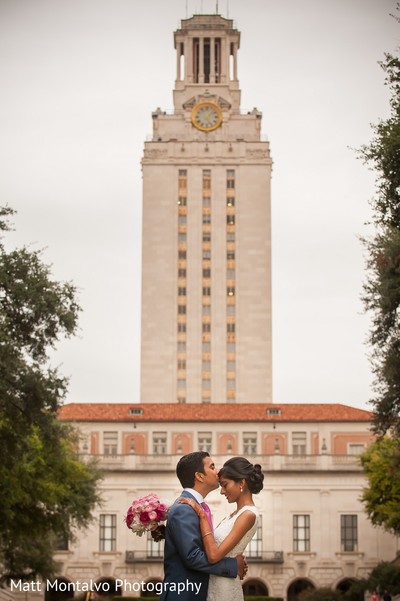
(384, 577)
(381, 498)
(382, 288)
(46, 492)
(320, 594)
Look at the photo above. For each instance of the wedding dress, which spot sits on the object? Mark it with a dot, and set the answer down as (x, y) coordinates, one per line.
(230, 589)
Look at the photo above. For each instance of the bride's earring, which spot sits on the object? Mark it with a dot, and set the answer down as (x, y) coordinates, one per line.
(241, 489)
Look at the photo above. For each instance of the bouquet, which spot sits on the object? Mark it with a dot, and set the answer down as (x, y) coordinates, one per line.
(145, 515)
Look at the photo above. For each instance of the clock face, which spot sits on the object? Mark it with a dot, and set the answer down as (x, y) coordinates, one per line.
(206, 116)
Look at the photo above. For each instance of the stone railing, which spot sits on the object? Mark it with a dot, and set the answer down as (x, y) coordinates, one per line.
(272, 463)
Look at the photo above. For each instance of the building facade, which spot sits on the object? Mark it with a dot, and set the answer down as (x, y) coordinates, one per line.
(206, 263)
(313, 530)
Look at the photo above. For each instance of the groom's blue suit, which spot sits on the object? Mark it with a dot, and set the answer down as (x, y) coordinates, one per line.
(185, 562)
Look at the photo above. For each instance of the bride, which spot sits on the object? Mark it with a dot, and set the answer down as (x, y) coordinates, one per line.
(239, 480)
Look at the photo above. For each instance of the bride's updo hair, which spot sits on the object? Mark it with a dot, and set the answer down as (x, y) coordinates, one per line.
(239, 468)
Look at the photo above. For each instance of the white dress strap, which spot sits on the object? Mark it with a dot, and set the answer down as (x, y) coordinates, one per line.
(248, 508)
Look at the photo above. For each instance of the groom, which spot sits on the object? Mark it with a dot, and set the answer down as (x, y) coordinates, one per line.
(185, 562)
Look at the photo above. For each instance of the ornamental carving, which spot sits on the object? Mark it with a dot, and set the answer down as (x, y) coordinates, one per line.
(155, 153)
(256, 153)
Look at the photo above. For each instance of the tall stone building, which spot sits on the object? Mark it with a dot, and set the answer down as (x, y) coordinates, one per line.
(206, 280)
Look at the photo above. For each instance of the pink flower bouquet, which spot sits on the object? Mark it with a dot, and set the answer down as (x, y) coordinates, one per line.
(145, 515)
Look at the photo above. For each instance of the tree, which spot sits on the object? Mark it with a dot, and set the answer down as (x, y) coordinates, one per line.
(384, 577)
(382, 288)
(381, 498)
(46, 492)
(320, 594)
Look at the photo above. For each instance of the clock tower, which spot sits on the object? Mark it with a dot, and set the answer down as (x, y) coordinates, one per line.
(206, 263)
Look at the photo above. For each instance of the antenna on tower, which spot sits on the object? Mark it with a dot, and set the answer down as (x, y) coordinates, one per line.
(216, 7)
(227, 8)
(186, 9)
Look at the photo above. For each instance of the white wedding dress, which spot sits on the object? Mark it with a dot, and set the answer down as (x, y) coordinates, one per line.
(230, 589)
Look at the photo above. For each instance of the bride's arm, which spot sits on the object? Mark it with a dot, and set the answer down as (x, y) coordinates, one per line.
(213, 551)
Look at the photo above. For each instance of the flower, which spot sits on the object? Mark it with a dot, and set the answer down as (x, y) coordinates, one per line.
(145, 515)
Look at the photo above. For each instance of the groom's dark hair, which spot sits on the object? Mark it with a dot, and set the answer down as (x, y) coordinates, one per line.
(188, 465)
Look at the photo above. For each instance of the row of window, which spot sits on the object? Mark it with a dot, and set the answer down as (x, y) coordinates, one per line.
(206, 291)
(301, 536)
(206, 274)
(158, 441)
(302, 533)
(231, 276)
(250, 440)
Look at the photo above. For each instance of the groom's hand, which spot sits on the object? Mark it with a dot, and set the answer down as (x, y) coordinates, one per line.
(242, 566)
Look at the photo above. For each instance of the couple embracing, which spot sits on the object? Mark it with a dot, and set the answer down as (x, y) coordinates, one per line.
(201, 563)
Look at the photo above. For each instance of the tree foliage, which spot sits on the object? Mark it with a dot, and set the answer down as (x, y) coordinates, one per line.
(45, 492)
(381, 498)
(384, 577)
(382, 288)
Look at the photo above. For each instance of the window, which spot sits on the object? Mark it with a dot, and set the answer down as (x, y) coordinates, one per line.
(348, 533)
(206, 291)
(181, 327)
(299, 443)
(230, 219)
(62, 542)
(355, 449)
(181, 309)
(204, 441)
(181, 273)
(230, 201)
(160, 442)
(108, 531)
(154, 549)
(181, 364)
(135, 411)
(182, 201)
(182, 254)
(110, 443)
(206, 201)
(254, 548)
(206, 273)
(206, 179)
(274, 411)
(206, 218)
(230, 178)
(230, 327)
(230, 255)
(301, 533)
(250, 443)
(181, 291)
(206, 327)
(206, 237)
(230, 291)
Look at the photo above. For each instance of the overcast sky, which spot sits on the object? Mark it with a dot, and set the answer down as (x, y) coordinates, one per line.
(79, 80)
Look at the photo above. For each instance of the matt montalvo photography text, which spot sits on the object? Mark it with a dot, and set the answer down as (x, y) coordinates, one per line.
(37, 586)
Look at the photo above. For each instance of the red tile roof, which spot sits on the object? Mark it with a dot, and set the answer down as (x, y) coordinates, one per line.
(218, 412)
